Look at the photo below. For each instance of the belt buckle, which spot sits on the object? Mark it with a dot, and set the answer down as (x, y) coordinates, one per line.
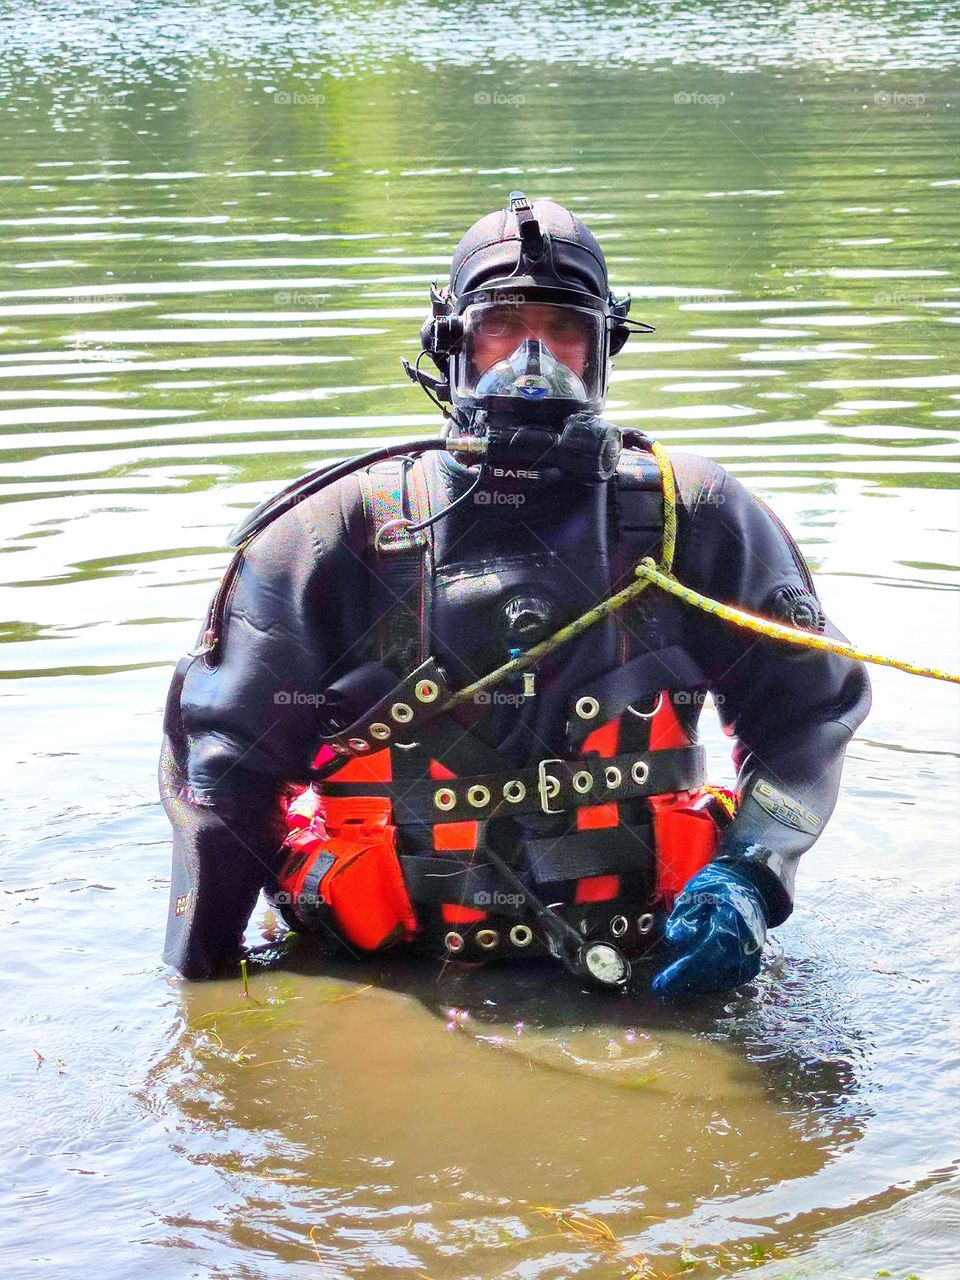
(542, 789)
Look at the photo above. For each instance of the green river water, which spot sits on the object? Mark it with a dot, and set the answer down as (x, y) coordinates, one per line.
(218, 223)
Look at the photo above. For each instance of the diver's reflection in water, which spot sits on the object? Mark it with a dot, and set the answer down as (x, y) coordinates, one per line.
(388, 1090)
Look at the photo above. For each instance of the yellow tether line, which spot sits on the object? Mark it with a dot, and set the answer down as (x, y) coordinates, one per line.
(649, 572)
(599, 611)
(669, 544)
(661, 576)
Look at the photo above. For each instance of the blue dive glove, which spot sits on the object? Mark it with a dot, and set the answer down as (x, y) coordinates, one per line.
(719, 925)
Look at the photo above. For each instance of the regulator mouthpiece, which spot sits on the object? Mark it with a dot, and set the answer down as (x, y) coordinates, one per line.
(531, 372)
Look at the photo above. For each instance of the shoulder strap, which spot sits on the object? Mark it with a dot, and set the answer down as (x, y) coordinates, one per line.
(394, 494)
(636, 511)
(636, 530)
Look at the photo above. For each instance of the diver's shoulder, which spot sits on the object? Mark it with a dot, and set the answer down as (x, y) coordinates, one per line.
(303, 522)
(694, 474)
(697, 476)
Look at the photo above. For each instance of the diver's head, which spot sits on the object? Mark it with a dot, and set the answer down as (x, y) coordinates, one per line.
(526, 327)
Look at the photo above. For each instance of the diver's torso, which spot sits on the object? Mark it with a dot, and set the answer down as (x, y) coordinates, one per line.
(511, 565)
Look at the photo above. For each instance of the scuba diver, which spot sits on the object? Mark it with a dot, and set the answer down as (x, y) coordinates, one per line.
(425, 710)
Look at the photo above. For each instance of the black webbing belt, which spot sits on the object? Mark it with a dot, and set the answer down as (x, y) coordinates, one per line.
(552, 786)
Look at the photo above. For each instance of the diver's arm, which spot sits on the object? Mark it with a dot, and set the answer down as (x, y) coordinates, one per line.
(791, 710)
(223, 851)
(242, 724)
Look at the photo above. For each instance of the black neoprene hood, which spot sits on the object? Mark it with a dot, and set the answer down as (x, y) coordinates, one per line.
(491, 250)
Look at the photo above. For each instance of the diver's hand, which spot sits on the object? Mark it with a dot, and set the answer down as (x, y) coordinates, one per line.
(719, 925)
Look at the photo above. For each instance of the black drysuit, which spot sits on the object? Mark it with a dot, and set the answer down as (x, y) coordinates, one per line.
(302, 610)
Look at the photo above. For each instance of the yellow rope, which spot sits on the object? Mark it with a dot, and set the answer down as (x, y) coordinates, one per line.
(722, 796)
(649, 572)
(599, 611)
(662, 576)
(538, 651)
(669, 543)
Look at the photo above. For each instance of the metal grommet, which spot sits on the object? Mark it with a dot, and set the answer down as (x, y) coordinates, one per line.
(645, 922)
(521, 935)
(640, 772)
(339, 749)
(619, 926)
(478, 796)
(380, 730)
(426, 691)
(453, 941)
(444, 798)
(648, 715)
(514, 791)
(586, 708)
(582, 781)
(487, 939)
(551, 786)
(612, 776)
(401, 712)
(358, 744)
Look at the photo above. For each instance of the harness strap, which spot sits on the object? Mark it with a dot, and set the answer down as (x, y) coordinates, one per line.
(435, 878)
(466, 878)
(553, 786)
(394, 495)
(642, 677)
(407, 719)
(608, 851)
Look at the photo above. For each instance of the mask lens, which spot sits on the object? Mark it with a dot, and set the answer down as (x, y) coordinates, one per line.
(497, 323)
(532, 350)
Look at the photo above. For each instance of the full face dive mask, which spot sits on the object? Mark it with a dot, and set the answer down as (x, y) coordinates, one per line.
(526, 328)
(532, 356)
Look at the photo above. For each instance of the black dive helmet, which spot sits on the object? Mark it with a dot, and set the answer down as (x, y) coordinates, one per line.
(528, 324)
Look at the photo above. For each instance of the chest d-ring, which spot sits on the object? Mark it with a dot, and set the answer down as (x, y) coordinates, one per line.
(648, 715)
